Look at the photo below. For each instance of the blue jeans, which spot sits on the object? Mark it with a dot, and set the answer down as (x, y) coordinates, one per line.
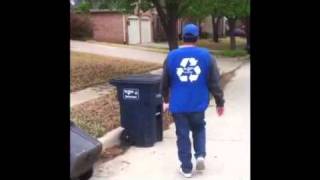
(184, 123)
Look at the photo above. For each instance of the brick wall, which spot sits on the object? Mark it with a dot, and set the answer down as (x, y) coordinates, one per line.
(107, 26)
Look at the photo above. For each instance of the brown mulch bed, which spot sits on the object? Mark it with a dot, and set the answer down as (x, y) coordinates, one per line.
(98, 116)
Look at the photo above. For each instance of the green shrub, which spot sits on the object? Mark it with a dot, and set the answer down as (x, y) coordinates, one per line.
(232, 53)
(204, 35)
(80, 26)
(84, 7)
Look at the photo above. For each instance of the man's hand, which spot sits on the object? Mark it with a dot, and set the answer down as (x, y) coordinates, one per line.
(165, 106)
(220, 111)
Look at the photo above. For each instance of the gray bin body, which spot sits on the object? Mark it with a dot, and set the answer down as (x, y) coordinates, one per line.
(84, 151)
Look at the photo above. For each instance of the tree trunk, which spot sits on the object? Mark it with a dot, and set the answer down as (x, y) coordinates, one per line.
(232, 25)
(247, 27)
(215, 27)
(172, 33)
(169, 22)
(200, 28)
(181, 29)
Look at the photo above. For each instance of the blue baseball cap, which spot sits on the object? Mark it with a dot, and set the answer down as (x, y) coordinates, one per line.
(191, 29)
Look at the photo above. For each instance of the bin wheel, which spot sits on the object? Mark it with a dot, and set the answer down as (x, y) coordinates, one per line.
(125, 138)
(87, 175)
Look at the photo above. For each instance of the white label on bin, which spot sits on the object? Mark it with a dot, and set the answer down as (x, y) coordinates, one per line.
(130, 94)
(158, 95)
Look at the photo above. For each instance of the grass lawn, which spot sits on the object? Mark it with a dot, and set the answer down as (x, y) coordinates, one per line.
(89, 69)
(223, 44)
(231, 53)
(222, 48)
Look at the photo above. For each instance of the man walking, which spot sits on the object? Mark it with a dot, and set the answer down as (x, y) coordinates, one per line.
(190, 74)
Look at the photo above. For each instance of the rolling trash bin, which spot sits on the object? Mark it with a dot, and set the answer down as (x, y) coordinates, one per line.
(140, 102)
(84, 152)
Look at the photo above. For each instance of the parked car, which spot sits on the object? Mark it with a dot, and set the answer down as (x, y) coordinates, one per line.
(239, 32)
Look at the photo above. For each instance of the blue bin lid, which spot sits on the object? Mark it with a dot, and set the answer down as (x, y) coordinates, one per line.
(137, 79)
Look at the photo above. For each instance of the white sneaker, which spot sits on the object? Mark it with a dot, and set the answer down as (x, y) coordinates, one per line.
(200, 164)
(186, 175)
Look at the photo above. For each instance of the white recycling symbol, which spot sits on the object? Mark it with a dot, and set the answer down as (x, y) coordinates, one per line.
(188, 70)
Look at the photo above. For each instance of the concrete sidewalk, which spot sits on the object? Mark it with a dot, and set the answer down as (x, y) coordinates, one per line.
(228, 145)
(90, 93)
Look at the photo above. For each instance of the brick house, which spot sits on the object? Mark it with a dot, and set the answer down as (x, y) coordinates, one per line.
(117, 27)
(108, 26)
(144, 27)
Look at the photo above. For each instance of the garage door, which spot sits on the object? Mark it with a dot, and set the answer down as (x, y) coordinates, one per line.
(145, 30)
(133, 30)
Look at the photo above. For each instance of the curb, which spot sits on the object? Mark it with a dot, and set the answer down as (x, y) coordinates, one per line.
(111, 138)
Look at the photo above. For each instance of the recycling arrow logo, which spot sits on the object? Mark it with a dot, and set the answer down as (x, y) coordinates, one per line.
(188, 70)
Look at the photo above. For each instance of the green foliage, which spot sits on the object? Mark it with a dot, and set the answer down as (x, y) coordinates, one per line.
(197, 10)
(233, 53)
(202, 8)
(204, 35)
(114, 4)
(236, 8)
(84, 7)
(145, 5)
